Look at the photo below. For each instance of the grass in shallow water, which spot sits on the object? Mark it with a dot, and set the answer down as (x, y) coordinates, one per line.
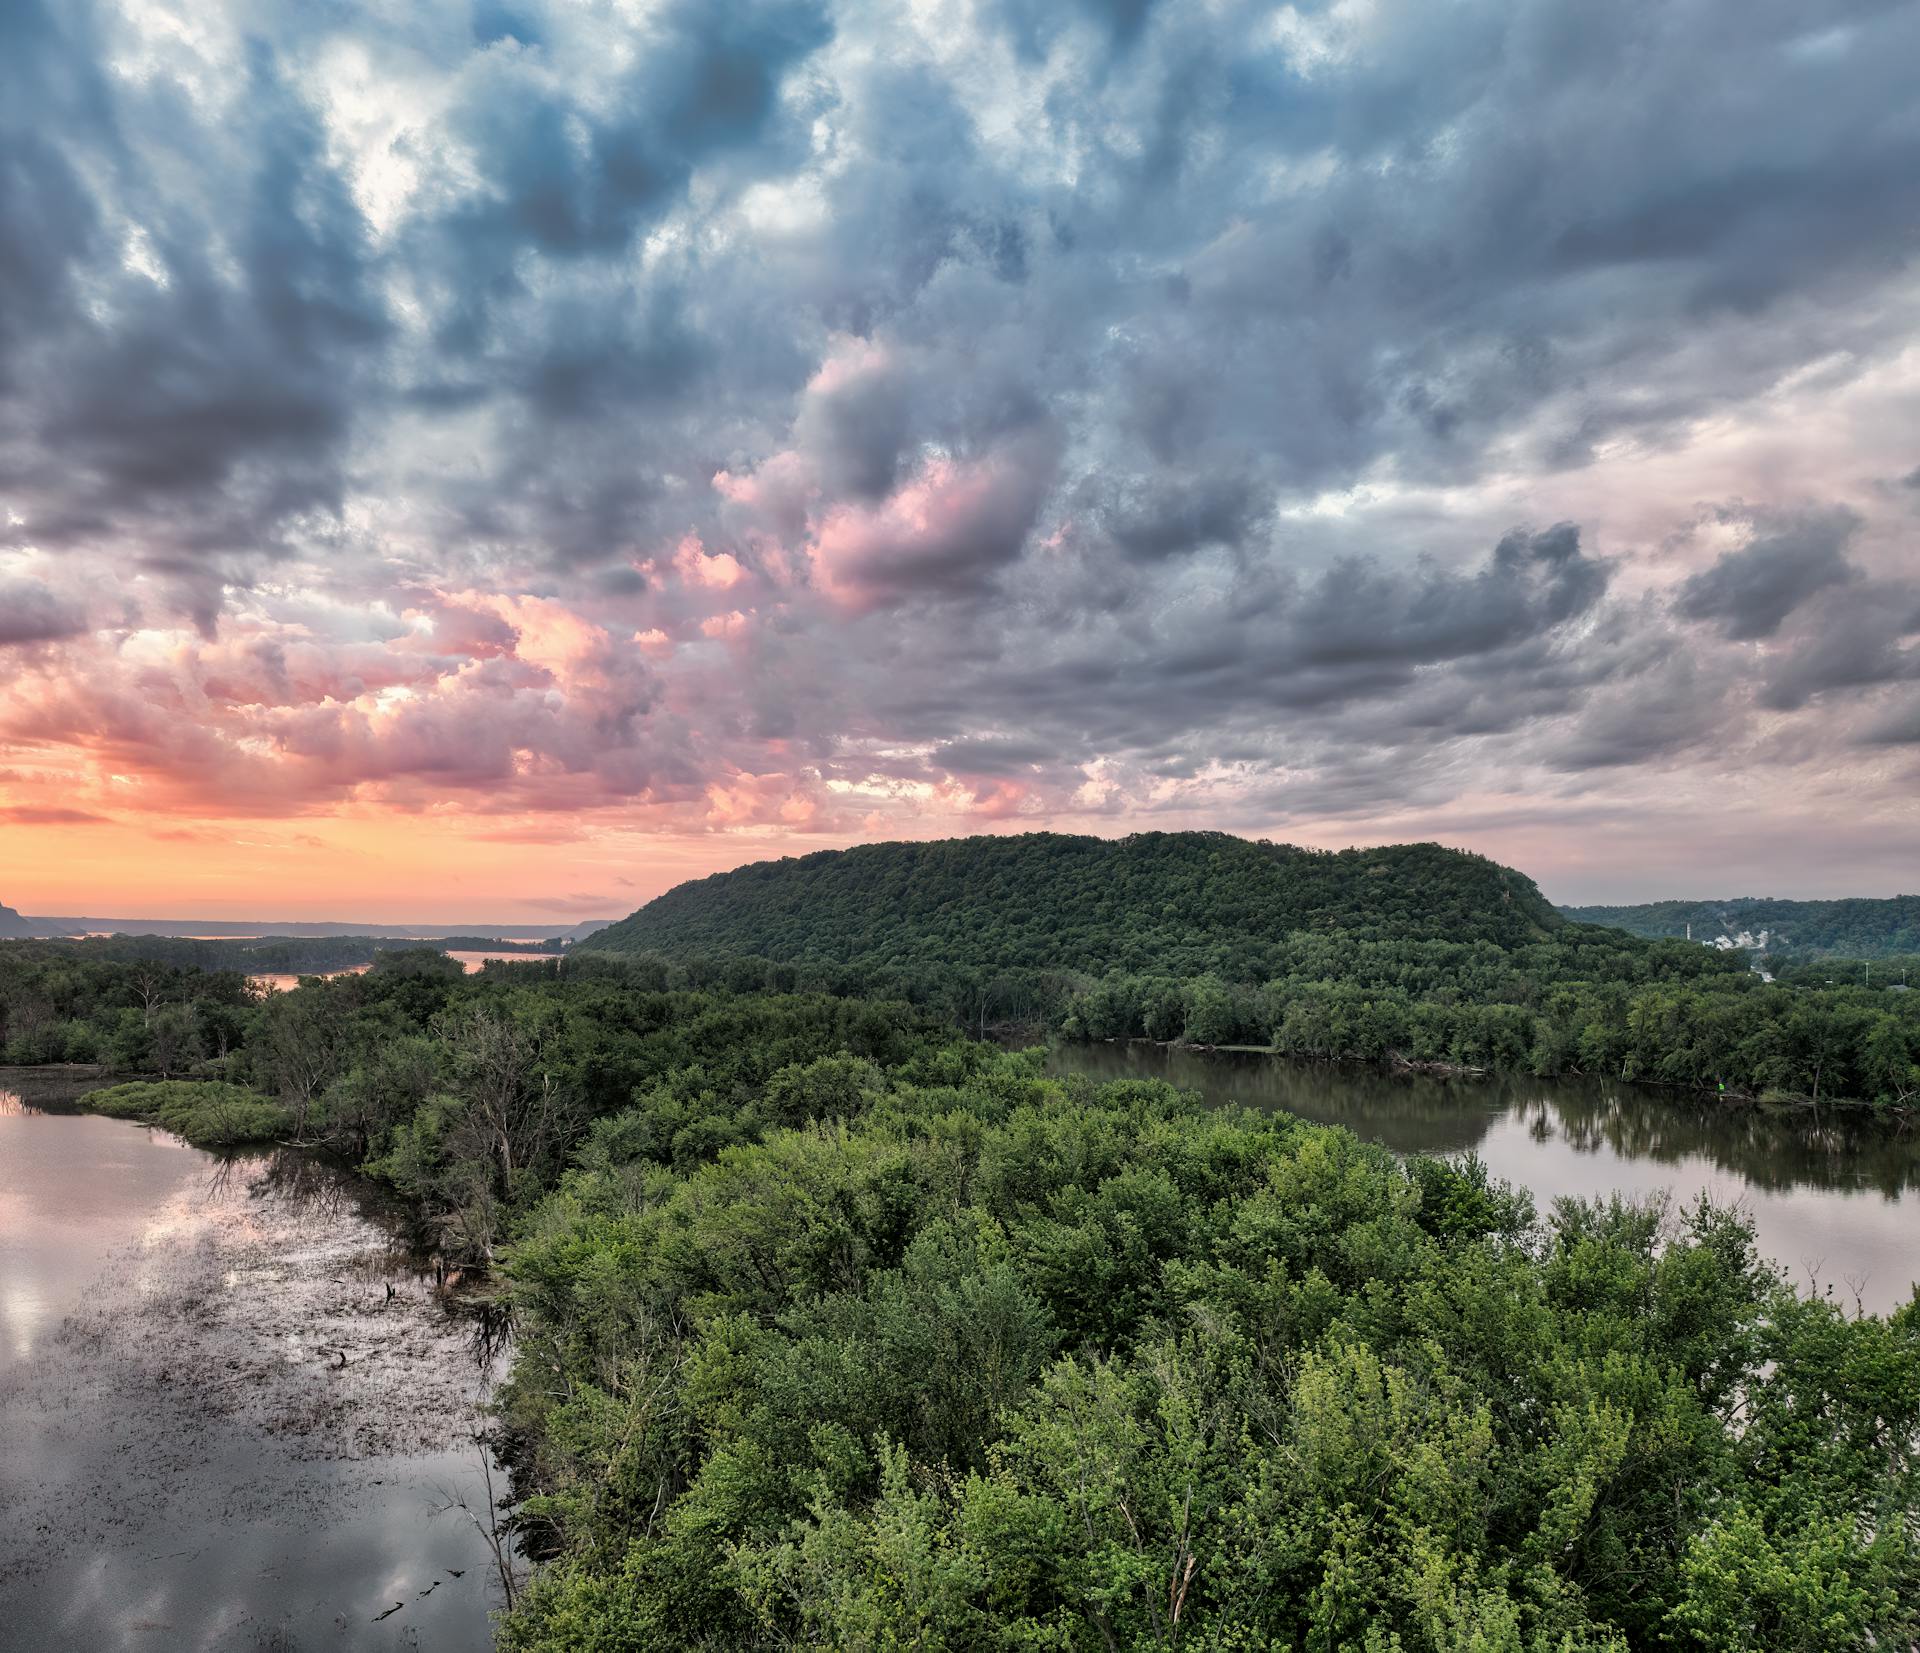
(208, 1113)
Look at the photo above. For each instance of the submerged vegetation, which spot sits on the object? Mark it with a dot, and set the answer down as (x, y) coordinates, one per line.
(206, 1112)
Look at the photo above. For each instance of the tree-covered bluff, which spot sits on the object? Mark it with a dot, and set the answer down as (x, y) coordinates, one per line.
(1180, 903)
(1413, 953)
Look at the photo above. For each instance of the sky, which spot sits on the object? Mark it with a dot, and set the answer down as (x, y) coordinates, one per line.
(501, 458)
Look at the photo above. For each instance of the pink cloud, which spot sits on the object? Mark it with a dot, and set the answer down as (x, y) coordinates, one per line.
(775, 496)
(779, 799)
(949, 528)
(987, 800)
(718, 570)
(34, 815)
(462, 630)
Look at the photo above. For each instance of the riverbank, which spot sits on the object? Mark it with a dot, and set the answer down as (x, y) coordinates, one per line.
(1395, 1063)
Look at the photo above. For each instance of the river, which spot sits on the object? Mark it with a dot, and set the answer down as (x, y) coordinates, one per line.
(234, 1412)
(1835, 1200)
(285, 981)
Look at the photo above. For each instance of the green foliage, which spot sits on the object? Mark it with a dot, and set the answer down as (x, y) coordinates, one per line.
(1184, 903)
(1589, 1000)
(1856, 928)
(1413, 953)
(983, 1359)
(207, 1113)
(63, 1002)
(835, 1328)
(417, 961)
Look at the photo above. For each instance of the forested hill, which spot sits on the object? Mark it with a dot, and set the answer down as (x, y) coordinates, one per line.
(12, 924)
(1182, 903)
(1861, 928)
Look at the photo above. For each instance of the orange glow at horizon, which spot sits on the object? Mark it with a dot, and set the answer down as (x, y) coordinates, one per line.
(389, 866)
(383, 868)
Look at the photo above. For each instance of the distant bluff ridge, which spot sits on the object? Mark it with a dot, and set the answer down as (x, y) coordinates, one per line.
(1180, 902)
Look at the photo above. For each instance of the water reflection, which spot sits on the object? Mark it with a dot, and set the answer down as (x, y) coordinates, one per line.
(1419, 1113)
(51, 1089)
(1836, 1196)
(54, 1229)
(232, 1400)
(285, 981)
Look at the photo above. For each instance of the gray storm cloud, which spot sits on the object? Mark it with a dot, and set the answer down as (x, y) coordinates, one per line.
(1108, 407)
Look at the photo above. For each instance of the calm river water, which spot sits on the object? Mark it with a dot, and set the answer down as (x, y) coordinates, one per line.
(1835, 1199)
(185, 1462)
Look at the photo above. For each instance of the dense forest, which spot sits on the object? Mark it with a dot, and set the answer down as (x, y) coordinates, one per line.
(1515, 989)
(981, 1360)
(1410, 954)
(1178, 903)
(1899, 971)
(269, 955)
(835, 1328)
(1857, 929)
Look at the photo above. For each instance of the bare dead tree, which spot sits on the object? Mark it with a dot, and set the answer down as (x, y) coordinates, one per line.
(151, 989)
(502, 1074)
(499, 1542)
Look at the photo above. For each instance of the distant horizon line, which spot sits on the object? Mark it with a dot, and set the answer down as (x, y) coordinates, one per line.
(242, 928)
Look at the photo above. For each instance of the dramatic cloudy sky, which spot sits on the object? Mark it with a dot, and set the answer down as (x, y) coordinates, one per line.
(500, 457)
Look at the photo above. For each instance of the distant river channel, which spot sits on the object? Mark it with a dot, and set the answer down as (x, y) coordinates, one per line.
(235, 1414)
(1835, 1201)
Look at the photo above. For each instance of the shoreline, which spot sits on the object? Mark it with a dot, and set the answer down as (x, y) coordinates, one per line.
(1395, 1064)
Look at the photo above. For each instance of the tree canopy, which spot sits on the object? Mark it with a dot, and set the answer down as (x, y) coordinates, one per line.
(1410, 953)
(835, 1328)
(1178, 902)
(1852, 928)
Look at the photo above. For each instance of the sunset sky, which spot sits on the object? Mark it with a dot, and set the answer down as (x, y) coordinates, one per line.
(498, 459)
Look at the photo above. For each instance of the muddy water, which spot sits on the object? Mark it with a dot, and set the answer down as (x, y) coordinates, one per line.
(1834, 1200)
(219, 1428)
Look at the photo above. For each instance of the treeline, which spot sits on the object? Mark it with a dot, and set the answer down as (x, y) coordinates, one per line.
(1890, 972)
(1588, 1000)
(1725, 1034)
(465, 1092)
(66, 1002)
(161, 1004)
(1411, 953)
(1853, 928)
(274, 955)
